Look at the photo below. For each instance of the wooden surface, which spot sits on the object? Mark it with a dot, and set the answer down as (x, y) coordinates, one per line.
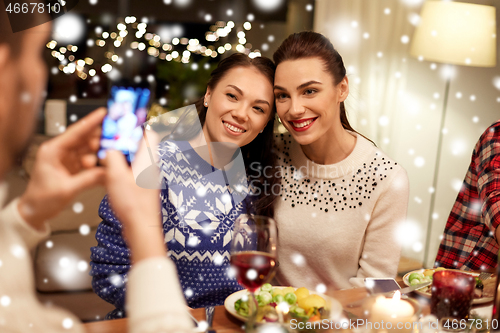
(225, 323)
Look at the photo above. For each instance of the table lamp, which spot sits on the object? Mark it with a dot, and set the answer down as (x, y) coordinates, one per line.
(453, 33)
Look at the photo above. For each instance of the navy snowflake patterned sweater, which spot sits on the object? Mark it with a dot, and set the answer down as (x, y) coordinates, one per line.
(199, 207)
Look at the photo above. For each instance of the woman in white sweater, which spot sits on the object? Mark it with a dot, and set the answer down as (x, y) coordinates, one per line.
(341, 198)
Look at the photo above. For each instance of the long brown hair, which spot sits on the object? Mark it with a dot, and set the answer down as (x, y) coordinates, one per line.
(258, 153)
(309, 44)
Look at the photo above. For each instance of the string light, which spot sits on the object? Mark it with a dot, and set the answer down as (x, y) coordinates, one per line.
(219, 30)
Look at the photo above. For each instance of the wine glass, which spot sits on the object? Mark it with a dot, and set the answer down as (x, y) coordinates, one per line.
(253, 256)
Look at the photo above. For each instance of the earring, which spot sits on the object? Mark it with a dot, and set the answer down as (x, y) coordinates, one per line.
(261, 131)
(206, 104)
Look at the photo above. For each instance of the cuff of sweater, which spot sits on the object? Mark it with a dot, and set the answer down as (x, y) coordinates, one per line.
(30, 235)
(357, 282)
(154, 298)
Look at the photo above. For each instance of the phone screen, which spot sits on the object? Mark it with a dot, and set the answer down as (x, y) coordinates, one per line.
(375, 286)
(122, 126)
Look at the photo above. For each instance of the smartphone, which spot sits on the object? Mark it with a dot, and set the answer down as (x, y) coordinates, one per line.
(375, 285)
(122, 126)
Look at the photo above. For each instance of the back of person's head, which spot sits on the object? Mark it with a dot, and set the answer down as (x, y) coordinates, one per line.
(15, 40)
(22, 81)
(309, 44)
(7, 38)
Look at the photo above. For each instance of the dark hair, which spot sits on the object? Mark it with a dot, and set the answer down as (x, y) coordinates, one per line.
(260, 150)
(309, 44)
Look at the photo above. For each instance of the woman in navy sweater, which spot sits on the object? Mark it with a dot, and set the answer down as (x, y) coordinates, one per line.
(200, 197)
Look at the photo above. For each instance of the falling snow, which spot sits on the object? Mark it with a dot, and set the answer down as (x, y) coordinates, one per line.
(218, 259)
(408, 233)
(5, 301)
(67, 323)
(383, 121)
(268, 5)
(64, 262)
(252, 274)
(116, 280)
(417, 247)
(201, 191)
(419, 161)
(18, 251)
(82, 266)
(78, 207)
(298, 259)
(84, 229)
(321, 288)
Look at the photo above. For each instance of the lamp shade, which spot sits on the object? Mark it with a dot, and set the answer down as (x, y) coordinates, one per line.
(456, 33)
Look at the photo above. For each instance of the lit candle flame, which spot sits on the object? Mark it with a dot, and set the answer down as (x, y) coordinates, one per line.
(397, 296)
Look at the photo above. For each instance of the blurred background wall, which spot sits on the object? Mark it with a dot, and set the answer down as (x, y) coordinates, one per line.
(397, 100)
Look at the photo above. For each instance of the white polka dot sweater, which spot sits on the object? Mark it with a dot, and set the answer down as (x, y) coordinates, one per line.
(337, 223)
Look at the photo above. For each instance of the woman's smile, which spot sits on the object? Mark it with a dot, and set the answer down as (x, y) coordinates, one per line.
(302, 124)
(233, 128)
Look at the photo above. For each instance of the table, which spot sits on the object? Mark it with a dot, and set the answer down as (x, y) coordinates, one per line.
(225, 323)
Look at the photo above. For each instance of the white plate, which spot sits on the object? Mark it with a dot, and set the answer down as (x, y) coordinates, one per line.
(427, 294)
(335, 307)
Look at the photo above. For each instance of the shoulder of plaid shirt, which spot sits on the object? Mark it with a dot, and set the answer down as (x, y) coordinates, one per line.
(470, 239)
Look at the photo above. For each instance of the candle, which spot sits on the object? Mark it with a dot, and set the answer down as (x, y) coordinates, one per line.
(392, 315)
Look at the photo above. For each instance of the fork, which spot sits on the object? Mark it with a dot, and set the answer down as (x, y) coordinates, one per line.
(209, 316)
(484, 275)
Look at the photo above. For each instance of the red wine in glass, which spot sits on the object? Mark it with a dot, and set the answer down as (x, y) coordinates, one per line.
(253, 256)
(253, 268)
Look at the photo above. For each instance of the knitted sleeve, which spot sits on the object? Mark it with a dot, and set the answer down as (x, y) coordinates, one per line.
(110, 260)
(382, 248)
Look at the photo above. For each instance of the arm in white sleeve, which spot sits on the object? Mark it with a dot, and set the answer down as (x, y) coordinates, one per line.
(31, 237)
(382, 250)
(155, 302)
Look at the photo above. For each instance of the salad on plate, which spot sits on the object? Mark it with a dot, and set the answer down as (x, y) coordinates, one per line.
(300, 304)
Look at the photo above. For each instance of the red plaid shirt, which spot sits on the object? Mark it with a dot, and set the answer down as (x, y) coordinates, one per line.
(469, 241)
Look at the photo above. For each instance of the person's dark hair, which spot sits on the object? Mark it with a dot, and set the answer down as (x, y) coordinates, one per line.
(309, 44)
(259, 151)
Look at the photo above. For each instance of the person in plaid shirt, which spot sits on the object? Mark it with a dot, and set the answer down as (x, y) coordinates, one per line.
(470, 239)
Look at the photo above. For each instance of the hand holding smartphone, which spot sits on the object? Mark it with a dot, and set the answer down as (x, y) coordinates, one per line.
(122, 125)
